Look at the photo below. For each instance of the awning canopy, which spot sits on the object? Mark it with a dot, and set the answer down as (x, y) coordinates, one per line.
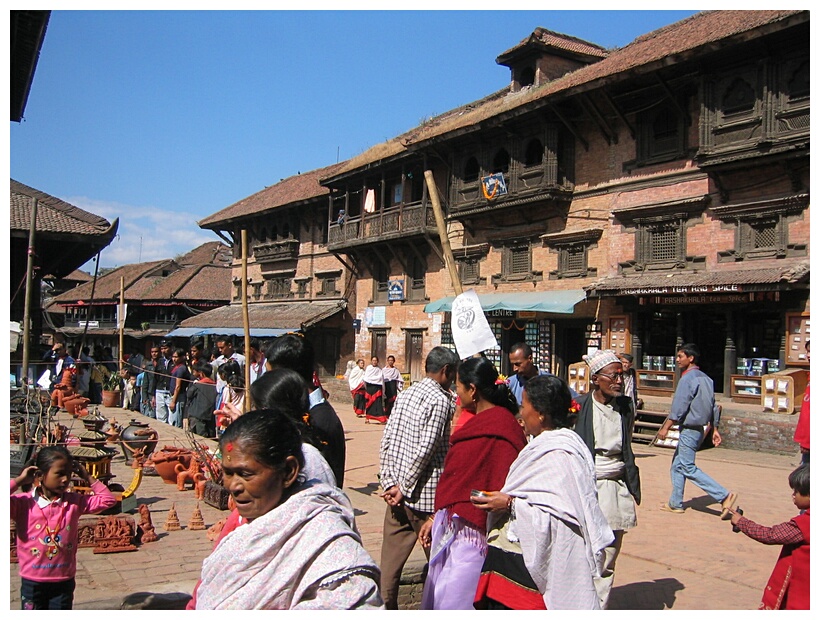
(255, 332)
(561, 302)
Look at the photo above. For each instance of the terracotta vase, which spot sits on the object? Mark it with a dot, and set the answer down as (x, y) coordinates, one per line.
(75, 402)
(165, 461)
(111, 398)
(137, 435)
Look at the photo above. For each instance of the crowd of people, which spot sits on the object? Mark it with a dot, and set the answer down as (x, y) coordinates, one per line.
(519, 491)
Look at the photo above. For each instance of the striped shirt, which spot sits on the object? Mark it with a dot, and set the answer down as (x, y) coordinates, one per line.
(415, 442)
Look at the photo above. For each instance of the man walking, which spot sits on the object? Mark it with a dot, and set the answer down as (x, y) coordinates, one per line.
(693, 406)
(411, 455)
(521, 362)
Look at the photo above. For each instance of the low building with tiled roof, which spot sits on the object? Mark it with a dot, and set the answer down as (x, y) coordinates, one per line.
(158, 295)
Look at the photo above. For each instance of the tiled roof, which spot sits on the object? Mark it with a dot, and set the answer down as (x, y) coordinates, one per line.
(273, 315)
(214, 253)
(53, 214)
(557, 40)
(295, 189)
(163, 281)
(755, 273)
(663, 45)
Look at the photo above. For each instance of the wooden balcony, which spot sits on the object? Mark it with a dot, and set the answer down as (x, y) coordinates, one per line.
(276, 251)
(385, 225)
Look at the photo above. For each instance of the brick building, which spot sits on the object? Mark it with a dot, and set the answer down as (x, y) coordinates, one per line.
(294, 282)
(633, 199)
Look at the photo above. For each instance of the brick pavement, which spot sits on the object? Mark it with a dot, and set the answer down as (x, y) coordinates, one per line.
(689, 561)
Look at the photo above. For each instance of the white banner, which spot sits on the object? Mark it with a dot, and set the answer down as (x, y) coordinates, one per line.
(471, 331)
(121, 319)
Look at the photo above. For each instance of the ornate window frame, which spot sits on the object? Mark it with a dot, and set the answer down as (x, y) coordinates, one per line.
(566, 244)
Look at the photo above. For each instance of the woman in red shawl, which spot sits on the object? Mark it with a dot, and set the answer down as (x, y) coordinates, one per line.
(374, 386)
(480, 456)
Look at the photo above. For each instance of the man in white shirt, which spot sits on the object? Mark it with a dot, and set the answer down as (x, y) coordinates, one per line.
(227, 352)
(256, 359)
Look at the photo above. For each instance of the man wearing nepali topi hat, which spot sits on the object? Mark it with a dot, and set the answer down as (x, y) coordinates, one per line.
(605, 424)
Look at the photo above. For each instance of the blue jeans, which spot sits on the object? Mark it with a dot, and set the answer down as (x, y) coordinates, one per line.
(684, 468)
(163, 410)
(175, 417)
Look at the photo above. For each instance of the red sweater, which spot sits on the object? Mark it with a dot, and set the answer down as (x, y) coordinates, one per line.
(789, 585)
(480, 456)
(801, 433)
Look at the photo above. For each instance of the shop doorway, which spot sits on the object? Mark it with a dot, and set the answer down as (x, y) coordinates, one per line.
(511, 334)
(378, 345)
(568, 347)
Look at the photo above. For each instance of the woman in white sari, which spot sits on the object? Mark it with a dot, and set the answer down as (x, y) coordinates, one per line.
(546, 531)
(297, 547)
(355, 380)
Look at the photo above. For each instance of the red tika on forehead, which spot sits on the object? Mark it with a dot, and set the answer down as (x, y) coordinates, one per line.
(229, 447)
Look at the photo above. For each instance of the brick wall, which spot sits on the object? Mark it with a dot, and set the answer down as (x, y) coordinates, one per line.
(759, 431)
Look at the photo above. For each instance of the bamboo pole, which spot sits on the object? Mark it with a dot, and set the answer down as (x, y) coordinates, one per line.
(122, 321)
(29, 282)
(246, 321)
(442, 232)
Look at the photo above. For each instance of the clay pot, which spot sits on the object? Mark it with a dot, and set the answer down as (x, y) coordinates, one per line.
(73, 403)
(137, 435)
(111, 398)
(165, 461)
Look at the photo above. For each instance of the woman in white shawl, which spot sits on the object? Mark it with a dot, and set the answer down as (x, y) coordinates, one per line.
(546, 531)
(393, 384)
(374, 386)
(355, 379)
(297, 547)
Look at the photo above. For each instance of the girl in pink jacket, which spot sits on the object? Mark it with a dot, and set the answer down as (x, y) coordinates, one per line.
(47, 519)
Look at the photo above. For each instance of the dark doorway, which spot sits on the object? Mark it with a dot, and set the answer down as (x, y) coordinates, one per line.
(326, 346)
(510, 335)
(569, 346)
(414, 355)
(378, 345)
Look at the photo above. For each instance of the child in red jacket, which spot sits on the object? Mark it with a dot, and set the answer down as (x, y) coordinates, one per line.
(789, 585)
(46, 520)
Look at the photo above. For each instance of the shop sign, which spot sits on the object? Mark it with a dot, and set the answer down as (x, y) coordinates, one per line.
(685, 290)
(395, 290)
(701, 299)
(501, 313)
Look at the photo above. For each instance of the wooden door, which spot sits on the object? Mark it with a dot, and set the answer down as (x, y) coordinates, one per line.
(378, 345)
(414, 355)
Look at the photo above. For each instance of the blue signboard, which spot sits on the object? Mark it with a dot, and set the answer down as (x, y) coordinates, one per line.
(493, 186)
(395, 290)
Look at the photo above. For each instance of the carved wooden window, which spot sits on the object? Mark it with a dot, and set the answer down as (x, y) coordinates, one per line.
(302, 287)
(661, 244)
(572, 259)
(279, 288)
(799, 82)
(256, 288)
(381, 283)
(501, 161)
(471, 170)
(534, 154)
(329, 286)
(739, 97)
(516, 260)
(416, 291)
(660, 134)
(469, 271)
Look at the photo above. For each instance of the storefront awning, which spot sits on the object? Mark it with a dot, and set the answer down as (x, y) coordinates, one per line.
(560, 302)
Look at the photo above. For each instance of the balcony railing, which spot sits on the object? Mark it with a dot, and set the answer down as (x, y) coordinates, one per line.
(382, 226)
(276, 251)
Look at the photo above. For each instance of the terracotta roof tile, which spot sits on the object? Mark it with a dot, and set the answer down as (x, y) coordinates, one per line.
(53, 214)
(557, 40)
(289, 191)
(756, 272)
(270, 315)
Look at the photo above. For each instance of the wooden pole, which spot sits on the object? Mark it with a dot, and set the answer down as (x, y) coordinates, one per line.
(29, 285)
(246, 321)
(442, 232)
(122, 320)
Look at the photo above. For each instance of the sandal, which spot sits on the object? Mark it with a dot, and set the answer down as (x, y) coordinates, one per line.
(728, 505)
(667, 508)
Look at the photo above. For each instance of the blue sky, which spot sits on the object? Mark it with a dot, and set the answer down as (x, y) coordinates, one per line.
(162, 118)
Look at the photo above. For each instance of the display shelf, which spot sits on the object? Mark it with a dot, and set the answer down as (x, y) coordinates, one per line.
(656, 382)
(745, 389)
(783, 391)
(578, 377)
(798, 331)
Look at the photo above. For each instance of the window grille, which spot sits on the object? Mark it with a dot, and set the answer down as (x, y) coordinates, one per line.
(664, 244)
(764, 235)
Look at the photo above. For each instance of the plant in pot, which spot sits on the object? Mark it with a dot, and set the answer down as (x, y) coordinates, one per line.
(111, 390)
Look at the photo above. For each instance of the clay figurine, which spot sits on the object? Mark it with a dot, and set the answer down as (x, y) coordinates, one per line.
(146, 525)
(172, 522)
(197, 522)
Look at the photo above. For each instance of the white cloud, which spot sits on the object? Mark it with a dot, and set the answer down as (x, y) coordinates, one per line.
(145, 233)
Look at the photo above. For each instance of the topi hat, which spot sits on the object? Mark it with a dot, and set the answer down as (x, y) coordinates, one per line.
(598, 359)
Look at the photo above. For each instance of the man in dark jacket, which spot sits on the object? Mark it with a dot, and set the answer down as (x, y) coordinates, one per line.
(605, 424)
(198, 415)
